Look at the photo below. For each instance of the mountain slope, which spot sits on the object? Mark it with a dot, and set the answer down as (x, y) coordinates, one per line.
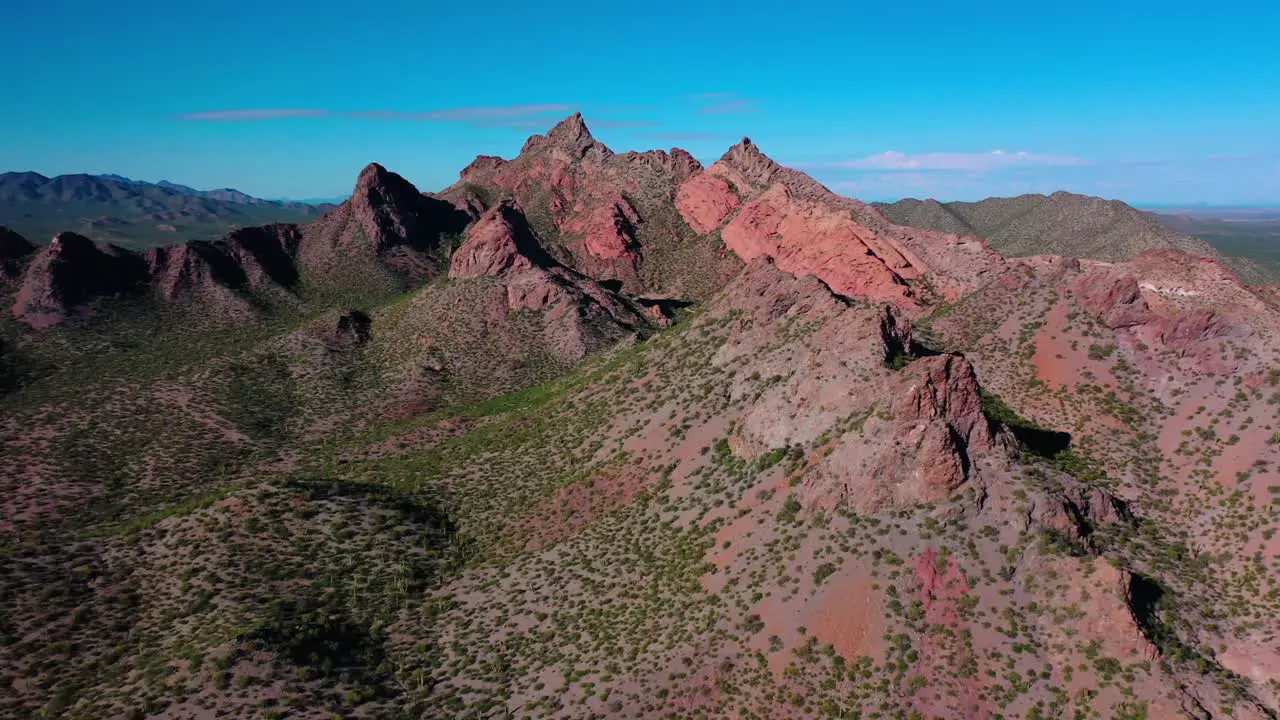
(131, 213)
(871, 471)
(1059, 224)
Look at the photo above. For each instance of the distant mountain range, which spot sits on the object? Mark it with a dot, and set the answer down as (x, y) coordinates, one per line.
(1069, 224)
(133, 213)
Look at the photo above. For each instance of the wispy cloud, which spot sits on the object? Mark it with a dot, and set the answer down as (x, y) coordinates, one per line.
(679, 136)
(536, 123)
(722, 103)
(259, 114)
(524, 116)
(620, 124)
(500, 115)
(995, 160)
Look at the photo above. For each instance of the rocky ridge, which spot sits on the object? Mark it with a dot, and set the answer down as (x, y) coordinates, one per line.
(886, 468)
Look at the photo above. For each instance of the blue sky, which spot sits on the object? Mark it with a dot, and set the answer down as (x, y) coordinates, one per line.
(1173, 101)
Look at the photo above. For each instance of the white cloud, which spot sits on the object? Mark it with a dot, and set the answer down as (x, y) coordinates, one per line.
(893, 161)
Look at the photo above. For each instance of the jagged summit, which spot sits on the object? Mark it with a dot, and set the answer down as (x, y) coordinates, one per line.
(385, 216)
(748, 154)
(572, 136)
(748, 166)
(376, 178)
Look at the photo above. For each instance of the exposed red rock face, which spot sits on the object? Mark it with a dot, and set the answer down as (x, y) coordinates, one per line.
(15, 251)
(915, 433)
(64, 278)
(945, 388)
(807, 229)
(581, 316)
(956, 265)
(939, 427)
(705, 201)
(571, 136)
(481, 166)
(493, 245)
(594, 208)
(1171, 301)
(466, 200)
(751, 164)
(1117, 302)
(1191, 330)
(1114, 615)
(657, 315)
(677, 164)
(807, 238)
(609, 229)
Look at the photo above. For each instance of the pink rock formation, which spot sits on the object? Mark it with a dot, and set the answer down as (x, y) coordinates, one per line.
(580, 315)
(705, 200)
(808, 238)
(492, 247)
(1118, 301)
(944, 388)
(609, 228)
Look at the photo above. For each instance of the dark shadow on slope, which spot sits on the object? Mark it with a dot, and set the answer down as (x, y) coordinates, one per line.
(667, 305)
(273, 247)
(1038, 440)
(1144, 600)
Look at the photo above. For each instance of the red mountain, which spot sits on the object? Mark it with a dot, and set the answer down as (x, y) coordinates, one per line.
(879, 471)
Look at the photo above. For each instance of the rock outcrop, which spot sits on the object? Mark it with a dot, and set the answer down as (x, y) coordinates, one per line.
(764, 209)
(500, 242)
(580, 315)
(1171, 301)
(345, 330)
(15, 252)
(70, 274)
(705, 201)
(386, 220)
(602, 214)
(1118, 303)
(807, 238)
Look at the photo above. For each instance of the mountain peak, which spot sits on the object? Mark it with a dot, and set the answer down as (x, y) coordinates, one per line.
(70, 242)
(373, 174)
(573, 126)
(747, 158)
(572, 136)
(378, 186)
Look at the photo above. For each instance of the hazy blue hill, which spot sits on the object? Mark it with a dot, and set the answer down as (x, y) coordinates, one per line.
(133, 213)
